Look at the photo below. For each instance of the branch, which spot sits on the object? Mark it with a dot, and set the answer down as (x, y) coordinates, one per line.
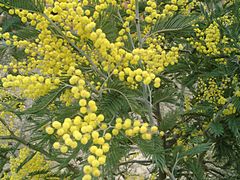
(38, 149)
(137, 19)
(169, 174)
(129, 35)
(5, 124)
(150, 105)
(142, 162)
(22, 141)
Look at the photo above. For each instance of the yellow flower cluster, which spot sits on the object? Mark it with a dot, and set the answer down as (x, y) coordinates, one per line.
(151, 9)
(187, 103)
(237, 93)
(7, 38)
(129, 7)
(31, 86)
(72, 50)
(222, 100)
(61, 58)
(185, 6)
(211, 37)
(36, 164)
(91, 129)
(212, 92)
(180, 2)
(3, 68)
(137, 76)
(67, 97)
(226, 20)
(169, 10)
(7, 117)
(221, 61)
(183, 130)
(3, 130)
(229, 110)
(209, 41)
(103, 4)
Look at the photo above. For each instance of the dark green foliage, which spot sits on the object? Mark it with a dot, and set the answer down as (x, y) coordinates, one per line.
(174, 24)
(167, 95)
(198, 149)
(116, 99)
(109, 23)
(117, 151)
(26, 33)
(216, 129)
(44, 101)
(169, 120)
(153, 150)
(31, 5)
(197, 169)
(119, 100)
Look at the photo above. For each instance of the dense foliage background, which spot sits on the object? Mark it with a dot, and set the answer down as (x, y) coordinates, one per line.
(97, 89)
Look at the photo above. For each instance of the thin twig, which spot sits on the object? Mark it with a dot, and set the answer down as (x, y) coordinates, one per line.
(168, 173)
(175, 164)
(138, 27)
(142, 162)
(5, 124)
(150, 103)
(129, 35)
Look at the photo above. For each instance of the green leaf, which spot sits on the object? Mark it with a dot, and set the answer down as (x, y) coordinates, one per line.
(44, 101)
(196, 150)
(196, 168)
(30, 5)
(173, 24)
(153, 149)
(64, 112)
(236, 102)
(118, 149)
(216, 129)
(42, 172)
(27, 33)
(120, 100)
(167, 94)
(108, 23)
(234, 126)
(10, 24)
(169, 120)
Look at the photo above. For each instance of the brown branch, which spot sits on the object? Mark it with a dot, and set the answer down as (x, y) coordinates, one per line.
(142, 162)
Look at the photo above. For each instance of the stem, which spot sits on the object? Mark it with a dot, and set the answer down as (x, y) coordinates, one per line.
(129, 35)
(137, 18)
(163, 31)
(175, 164)
(150, 112)
(22, 141)
(142, 162)
(168, 173)
(5, 124)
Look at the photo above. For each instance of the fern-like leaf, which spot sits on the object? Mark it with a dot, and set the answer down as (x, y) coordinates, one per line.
(43, 102)
(216, 129)
(30, 5)
(153, 150)
(173, 24)
(117, 151)
(196, 150)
